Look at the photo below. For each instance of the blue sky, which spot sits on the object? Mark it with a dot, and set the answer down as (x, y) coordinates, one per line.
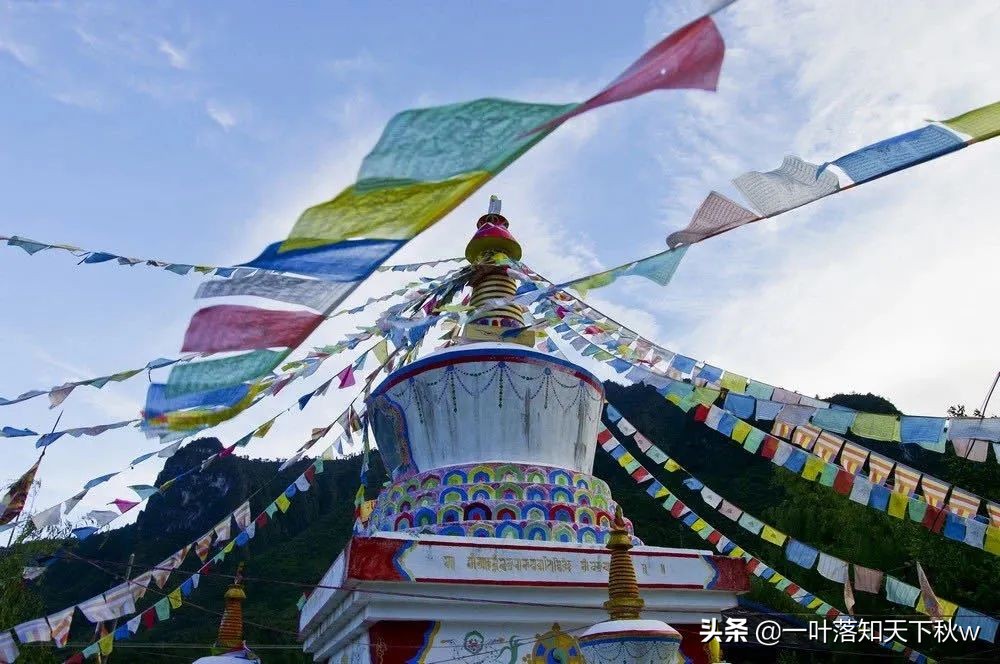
(196, 132)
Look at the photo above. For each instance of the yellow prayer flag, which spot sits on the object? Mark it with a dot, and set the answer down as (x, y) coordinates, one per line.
(705, 395)
(264, 428)
(775, 578)
(897, 505)
(734, 382)
(737, 553)
(228, 547)
(814, 466)
(991, 542)
(740, 431)
(388, 213)
(106, 643)
(773, 536)
(671, 465)
(947, 608)
(175, 599)
(625, 459)
(674, 399)
(815, 603)
(282, 502)
(698, 525)
(662, 492)
(381, 352)
(979, 124)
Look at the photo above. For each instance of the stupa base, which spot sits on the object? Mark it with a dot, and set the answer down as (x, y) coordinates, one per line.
(401, 598)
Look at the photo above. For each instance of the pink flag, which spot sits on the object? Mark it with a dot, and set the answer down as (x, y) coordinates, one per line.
(228, 327)
(346, 377)
(123, 505)
(689, 58)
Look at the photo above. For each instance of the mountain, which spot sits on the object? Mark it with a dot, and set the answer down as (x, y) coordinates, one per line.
(294, 550)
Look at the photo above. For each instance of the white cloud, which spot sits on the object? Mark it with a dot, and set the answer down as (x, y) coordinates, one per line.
(222, 115)
(23, 54)
(176, 56)
(882, 288)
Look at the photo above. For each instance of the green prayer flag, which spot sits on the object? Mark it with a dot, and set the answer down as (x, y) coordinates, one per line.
(917, 509)
(981, 123)
(215, 374)
(829, 474)
(876, 427)
(753, 440)
(437, 143)
(162, 609)
(705, 395)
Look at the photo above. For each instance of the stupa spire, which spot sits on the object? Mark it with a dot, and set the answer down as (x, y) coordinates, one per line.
(231, 626)
(624, 602)
(491, 281)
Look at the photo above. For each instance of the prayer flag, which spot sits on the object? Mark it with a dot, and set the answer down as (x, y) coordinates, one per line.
(13, 501)
(852, 457)
(791, 185)
(59, 624)
(689, 58)
(963, 503)
(979, 124)
(934, 490)
(716, 215)
(123, 505)
(899, 152)
(927, 595)
(905, 480)
(879, 468)
(832, 568)
(346, 377)
(33, 631)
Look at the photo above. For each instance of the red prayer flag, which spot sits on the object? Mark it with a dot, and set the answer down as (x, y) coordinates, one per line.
(226, 327)
(261, 520)
(770, 447)
(148, 618)
(123, 505)
(843, 482)
(677, 509)
(701, 413)
(346, 377)
(688, 58)
(934, 519)
(714, 537)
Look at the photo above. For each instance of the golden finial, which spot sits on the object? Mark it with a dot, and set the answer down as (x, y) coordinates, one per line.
(624, 602)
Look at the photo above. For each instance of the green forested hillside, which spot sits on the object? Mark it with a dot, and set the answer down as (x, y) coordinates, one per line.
(295, 548)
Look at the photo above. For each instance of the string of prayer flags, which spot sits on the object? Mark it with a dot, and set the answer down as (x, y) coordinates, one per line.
(844, 478)
(755, 565)
(658, 268)
(796, 182)
(89, 257)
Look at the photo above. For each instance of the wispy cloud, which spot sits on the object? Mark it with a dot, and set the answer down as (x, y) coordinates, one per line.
(221, 115)
(177, 57)
(23, 54)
